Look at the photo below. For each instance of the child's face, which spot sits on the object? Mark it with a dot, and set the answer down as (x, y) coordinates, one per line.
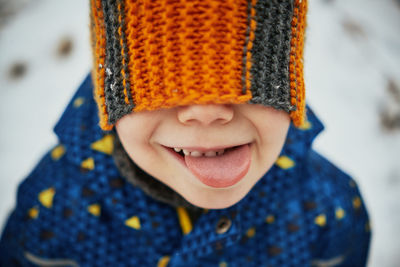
(254, 133)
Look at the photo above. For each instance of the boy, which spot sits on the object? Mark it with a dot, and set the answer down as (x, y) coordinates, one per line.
(204, 153)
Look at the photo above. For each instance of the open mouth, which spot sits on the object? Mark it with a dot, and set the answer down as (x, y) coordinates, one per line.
(199, 153)
(217, 167)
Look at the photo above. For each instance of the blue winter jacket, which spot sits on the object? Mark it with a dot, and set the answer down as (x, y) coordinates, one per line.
(75, 209)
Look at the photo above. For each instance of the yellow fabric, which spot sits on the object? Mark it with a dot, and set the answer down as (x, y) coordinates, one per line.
(94, 209)
(285, 162)
(306, 126)
(78, 102)
(88, 164)
(57, 152)
(133, 222)
(163, 262)
(46, 197)
(320, 220)
(251, 232)
(339, 213)
(105, 144)
(33, 212)
(184, 220)
(356, 202)
(270, 219)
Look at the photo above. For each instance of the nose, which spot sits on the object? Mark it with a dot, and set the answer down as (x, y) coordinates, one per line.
(205, 114)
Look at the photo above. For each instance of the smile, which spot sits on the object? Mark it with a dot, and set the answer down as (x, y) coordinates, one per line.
(215, 167)
(196, 153)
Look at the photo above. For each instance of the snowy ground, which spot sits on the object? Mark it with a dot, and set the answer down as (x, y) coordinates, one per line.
(352, 76)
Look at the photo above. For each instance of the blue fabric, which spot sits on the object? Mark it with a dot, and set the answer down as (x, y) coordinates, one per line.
(310, 214)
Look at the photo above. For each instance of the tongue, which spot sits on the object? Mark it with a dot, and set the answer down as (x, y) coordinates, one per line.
(221, 171)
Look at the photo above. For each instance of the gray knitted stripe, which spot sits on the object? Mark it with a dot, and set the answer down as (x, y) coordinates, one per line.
(114, 89)
(126, 57)
(270, 54)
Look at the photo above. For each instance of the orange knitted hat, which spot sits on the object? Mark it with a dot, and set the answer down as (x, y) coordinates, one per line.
(160, 54)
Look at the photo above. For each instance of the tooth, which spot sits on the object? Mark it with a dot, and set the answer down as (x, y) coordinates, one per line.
(186, 152)
(196, 154)
(211, 154)
(177, 149)
(220, 152)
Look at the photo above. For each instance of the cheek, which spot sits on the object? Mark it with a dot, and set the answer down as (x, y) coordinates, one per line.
(273, 134)
(138, 148)
(133, 136)
(136, 132)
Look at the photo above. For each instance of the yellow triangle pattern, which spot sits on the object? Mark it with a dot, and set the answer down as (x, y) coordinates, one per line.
(356, 202)
(306, 126)
(339, 213)
(270, 219)
(105, 144)
(88, 164)
(251, 232)
(133, 222)
(184, 220)
(46, 197)
(57, 152)
(163, 261)
(94, 209)
(78, 102)
(33, 212)
(320, 220)
(285, 162)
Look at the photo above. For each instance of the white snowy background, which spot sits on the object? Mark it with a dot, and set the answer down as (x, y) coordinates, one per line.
(352, 76)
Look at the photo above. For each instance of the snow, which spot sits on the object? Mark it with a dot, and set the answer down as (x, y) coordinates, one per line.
(347, 78)
(352, 50)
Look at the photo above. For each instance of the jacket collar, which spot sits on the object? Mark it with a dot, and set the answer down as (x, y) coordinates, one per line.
(78, 127)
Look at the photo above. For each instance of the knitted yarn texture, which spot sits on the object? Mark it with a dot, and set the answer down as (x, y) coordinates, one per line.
(150, 55)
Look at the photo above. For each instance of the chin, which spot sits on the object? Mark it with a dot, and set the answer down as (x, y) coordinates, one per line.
(210, 206)
(216, 200)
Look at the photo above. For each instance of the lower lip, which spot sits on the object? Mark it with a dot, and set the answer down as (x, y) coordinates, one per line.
(215, 183)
